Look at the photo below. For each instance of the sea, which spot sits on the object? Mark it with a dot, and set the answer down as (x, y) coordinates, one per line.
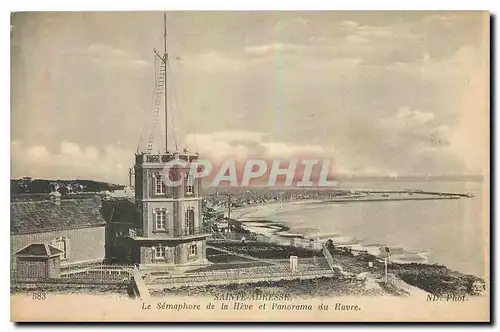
(451, 232)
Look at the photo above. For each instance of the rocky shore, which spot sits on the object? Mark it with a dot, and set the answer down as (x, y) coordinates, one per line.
(354, 275)
(361, 273)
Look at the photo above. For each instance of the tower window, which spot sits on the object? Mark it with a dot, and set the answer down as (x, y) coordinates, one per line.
(159, 251)
(188, 185)
(159, 185)
(160, 219)
(190, 223)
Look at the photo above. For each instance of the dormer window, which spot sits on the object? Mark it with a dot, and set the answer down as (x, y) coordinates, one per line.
(159, 185)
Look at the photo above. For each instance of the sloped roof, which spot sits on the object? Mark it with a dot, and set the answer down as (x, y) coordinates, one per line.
(120, 210)
(39, 250)
(43, 216)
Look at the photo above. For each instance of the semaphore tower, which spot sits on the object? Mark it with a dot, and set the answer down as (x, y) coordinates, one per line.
(169, 231)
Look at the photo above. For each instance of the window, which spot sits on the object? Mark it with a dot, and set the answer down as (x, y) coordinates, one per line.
(159, 251)
(159, 185)
(160, 219)
(61, 243)
(190, 221)
(188, 185)
(193, 250)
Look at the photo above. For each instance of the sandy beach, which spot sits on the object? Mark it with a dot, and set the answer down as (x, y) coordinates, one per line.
(261, 219)
(410, 268)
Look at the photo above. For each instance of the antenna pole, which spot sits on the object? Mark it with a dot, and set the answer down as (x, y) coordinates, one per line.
(165, 60)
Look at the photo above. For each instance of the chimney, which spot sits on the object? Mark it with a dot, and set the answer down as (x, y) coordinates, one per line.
(55, 197)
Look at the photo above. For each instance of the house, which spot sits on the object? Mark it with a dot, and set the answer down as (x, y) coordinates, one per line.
(38, 260)
(75, 226)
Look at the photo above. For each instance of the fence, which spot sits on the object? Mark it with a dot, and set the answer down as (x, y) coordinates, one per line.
(114, 272)
(92, 273)
(228, 276)
(235, 236)
(88, 280)
(280, 268)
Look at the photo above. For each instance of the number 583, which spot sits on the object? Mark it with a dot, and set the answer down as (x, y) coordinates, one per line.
(39, 296)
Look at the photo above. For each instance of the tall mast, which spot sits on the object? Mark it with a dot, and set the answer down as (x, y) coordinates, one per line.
(165, 59)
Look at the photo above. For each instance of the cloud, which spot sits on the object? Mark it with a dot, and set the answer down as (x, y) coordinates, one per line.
(266, 49)
(421, 138)
(115, 58)
(211, 61)
(418, 137)
(349, 24)
(376, 33)
(287, 24)
(71, 161)
(406, 114)
(37, 154)
(447, 19)
(356, 39)
(459, 66)
(297, 58)
(403, 94)
(314, 41)
(246, 144)
(410, 125)
(242, 145)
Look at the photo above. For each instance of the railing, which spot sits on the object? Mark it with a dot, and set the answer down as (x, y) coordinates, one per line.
(104, 271)
(171, 233)
(190, 231)
(164, 158)
(79, 265)
(99, 274)
(135, 232)
(234, 236)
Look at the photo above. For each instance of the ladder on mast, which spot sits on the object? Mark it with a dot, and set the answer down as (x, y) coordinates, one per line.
(160, 87)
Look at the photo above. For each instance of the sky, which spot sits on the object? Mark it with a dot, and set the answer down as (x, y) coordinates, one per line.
(380, 93)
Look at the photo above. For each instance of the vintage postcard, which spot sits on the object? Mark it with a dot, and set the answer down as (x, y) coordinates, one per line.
(271, 166)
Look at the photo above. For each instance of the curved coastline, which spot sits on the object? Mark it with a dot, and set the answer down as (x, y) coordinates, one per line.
(260, 219)
(410, 266)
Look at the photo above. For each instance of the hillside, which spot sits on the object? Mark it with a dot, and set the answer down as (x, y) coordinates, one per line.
(40, 186)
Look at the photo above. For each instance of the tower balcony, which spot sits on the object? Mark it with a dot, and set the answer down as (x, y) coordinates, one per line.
(169, 234)
(162, 158)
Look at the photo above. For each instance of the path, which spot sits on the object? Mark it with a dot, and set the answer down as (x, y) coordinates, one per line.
(141, 285)
(267, 261)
